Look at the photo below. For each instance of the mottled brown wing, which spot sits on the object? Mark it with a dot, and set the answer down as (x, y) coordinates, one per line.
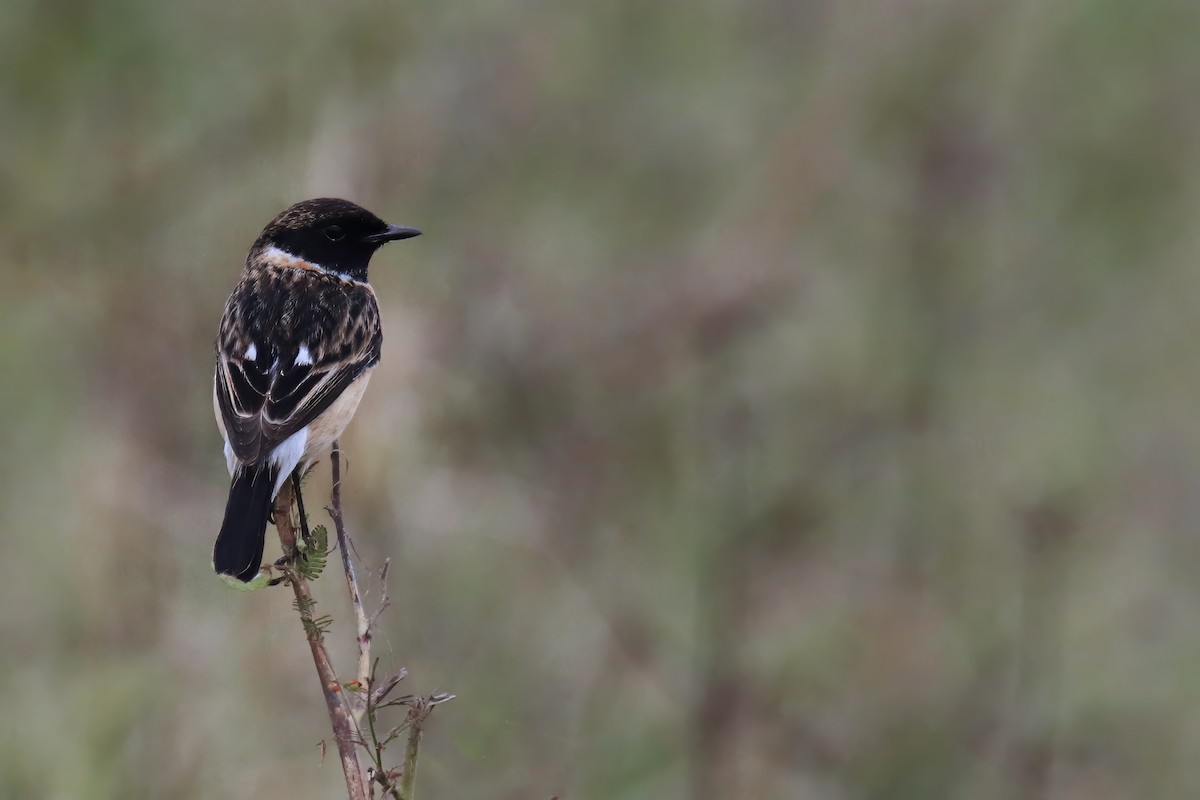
(262, 405)
(291, 341)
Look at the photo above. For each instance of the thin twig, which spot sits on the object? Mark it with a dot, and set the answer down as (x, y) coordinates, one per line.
(384, 599)
(408, 778)
(339, 716)
(360, 615)
(351, 702)
(419, 708)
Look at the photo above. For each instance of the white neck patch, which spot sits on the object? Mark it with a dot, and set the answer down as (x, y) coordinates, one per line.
(278, 257)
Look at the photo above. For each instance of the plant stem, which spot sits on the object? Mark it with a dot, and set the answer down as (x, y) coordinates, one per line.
(408, 779)
(360, 615)
(338, 716)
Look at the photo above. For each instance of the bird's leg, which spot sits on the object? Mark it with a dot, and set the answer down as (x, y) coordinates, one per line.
(304, 534)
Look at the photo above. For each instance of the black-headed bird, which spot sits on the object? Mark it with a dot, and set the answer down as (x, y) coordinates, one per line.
(298, 340)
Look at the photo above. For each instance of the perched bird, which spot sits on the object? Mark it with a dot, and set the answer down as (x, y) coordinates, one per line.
(298, 339)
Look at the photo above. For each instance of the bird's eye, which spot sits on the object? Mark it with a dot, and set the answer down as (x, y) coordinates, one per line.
(334, 233)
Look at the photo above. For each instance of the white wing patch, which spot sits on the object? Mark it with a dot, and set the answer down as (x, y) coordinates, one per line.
(287, 455)
(251, 352)
(303, 358)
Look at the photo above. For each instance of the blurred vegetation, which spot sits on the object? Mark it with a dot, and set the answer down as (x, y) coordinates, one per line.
(788, 399)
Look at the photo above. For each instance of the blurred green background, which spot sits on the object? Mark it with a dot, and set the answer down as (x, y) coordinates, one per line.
(788, 399)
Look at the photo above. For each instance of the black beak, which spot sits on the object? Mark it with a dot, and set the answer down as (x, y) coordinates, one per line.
(392, 234)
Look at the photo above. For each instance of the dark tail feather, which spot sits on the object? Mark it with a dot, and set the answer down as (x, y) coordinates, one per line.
(239, 548)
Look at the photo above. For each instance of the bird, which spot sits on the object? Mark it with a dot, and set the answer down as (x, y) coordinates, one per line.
(299, 336)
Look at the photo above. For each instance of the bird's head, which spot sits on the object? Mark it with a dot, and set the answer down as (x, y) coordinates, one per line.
(334, 235)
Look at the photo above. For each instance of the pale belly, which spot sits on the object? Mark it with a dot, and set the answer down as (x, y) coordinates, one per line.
(325, 429)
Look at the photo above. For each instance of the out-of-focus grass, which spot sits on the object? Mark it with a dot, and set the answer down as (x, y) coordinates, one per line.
(788, 399)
